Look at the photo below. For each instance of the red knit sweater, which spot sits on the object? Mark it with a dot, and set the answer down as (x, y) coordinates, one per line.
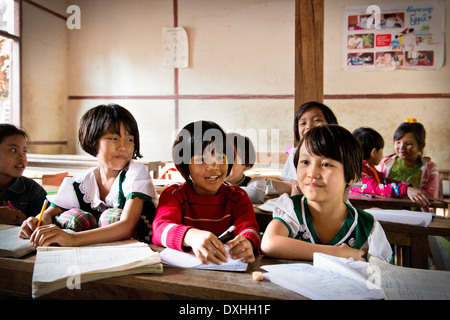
(180, 209)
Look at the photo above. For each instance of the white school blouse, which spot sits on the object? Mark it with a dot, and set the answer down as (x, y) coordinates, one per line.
(137, 180)
(301, 226)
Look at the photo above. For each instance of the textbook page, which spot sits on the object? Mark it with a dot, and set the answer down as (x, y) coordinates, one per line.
(180, 259)
(55, 267)
(13, 246)
(327, 279)
(400, 283)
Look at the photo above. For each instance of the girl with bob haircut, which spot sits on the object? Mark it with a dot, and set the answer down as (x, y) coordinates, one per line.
(308, 115)
(114, 201)
(409, 165)
(328, 160)
(191, 216)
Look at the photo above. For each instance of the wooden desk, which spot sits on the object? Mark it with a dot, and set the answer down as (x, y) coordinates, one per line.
(410, 242)
(76, 163)
(382, 202)
(173, 283)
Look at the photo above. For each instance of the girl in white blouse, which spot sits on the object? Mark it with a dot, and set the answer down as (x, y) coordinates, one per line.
(111, 202)
(328, 160)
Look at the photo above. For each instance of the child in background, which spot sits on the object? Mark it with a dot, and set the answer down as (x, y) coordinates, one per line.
(114, 201)
(190, 216)
(328, 159)
(408, 164)
(310, 114)
(20, 197)
(373, 181)
(244, 159)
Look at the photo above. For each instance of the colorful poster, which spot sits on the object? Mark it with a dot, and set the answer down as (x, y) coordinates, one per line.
(384, 37)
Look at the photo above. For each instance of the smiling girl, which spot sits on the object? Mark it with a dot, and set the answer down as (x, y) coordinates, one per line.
(328, 159)
(111, 202)
(190, 216)
(408, 164)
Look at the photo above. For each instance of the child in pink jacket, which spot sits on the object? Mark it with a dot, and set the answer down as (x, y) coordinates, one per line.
(408, 163)
(374, 181)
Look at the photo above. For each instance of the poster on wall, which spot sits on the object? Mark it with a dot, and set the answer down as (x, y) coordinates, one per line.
(385, 37)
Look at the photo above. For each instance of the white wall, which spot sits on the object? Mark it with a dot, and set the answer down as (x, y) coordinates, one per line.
(237, 48)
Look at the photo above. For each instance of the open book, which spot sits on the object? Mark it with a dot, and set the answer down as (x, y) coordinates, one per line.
(180, 259)
(59, 267)
(329, 278)
(400, 283)
(13, 246)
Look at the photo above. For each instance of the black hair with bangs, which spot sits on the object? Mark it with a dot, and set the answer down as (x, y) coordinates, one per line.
(104, 119)
(192, 141)
(337, 143)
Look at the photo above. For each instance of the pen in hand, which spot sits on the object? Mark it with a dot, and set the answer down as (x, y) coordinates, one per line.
(44, 206)
(229, 230)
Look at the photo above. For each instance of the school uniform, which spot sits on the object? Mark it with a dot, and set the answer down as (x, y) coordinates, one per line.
(81, 194)
(360, 230)
(24, 194)
(180, 209)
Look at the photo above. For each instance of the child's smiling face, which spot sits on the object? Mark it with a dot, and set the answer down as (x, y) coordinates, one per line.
(208, 172)
(320, 179)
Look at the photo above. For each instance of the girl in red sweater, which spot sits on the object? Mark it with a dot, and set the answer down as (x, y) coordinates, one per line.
(192, 215)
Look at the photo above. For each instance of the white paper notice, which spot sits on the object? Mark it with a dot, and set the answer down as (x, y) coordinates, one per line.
(175, 47)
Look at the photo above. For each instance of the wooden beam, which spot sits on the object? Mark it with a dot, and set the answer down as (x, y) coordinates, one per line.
(309, 26)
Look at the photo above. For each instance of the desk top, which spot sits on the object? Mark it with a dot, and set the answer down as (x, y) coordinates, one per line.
(383, 202)
(173, 283)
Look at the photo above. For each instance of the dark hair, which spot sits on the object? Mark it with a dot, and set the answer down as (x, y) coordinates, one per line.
(327, 113)
(337, 143)
(7, 130)
(193, 139)
(416, 128)
(369, 139)
(103, 118)
(243, 148)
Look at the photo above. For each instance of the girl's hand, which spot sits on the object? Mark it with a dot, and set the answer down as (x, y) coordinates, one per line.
(206, 246)
(50, 234)
(10, 216)
(356, 254)
(241, 247)
(27, 227)
(418, 197)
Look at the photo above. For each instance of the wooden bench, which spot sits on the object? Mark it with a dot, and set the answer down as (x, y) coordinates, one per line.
(74, 163)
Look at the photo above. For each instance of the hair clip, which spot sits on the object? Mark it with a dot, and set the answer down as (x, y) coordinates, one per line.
(411, 120)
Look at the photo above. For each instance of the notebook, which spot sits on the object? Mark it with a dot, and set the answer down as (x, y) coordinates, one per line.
(59, 267)
(13, 246)
(180, 259)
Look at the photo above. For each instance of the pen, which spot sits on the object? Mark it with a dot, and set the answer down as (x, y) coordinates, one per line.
(11, 206)
(368, 195)
(42, 212)
(230, 230)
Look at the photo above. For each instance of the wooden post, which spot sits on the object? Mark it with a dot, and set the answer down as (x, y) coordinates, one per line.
(309, 26)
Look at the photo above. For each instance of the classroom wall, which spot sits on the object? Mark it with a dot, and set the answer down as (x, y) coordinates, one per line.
(236, 49)
(240, 74)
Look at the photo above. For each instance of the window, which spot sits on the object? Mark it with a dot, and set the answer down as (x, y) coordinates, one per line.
(10, 62)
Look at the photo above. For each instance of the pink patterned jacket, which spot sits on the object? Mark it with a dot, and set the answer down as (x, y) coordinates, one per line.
(372, 185)
(429, 181)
